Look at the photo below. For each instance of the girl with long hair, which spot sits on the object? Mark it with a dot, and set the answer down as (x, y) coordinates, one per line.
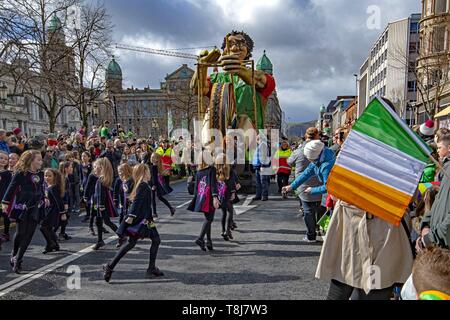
(74, 178)
(205, 200)
(159, 187)
(88, 197)
(227, 193)
(24, 201)
(55, 193)
(103, 201)
(65, 170)
(5, 180)
(86, 169)
(138, 224)
(122, 189)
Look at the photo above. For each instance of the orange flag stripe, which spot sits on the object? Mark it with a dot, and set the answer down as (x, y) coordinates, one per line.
(376, 198)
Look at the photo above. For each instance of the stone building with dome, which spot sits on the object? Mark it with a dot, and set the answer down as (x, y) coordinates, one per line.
(274, 114)
(147, 111)
(20, 110)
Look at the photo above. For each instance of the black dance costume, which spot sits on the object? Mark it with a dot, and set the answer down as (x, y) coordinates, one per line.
(89, 190)
(140, 211)
(52, 218)
(26, 196)
(85, 173)
(205, 191)
(67, 199)
(122, 191)
(104, 209)
(5, 180)
(162, 188)
(225, 190)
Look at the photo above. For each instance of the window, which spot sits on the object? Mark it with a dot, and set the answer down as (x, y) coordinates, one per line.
(412, 86)
(413, 47)
(437, 76)
(440, 6)
(414, 28)
(438, 39)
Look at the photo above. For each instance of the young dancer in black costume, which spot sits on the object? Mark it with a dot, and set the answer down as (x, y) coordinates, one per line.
(26, 198)
(138, 223)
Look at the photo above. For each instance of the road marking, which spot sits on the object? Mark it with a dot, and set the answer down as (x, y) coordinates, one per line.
(241, 209)
(246, 206)
(248, 201)
(29, 277)
(182, 205)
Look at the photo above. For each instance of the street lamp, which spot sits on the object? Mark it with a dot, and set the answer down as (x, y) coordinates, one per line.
(323, 109)
(356, 95)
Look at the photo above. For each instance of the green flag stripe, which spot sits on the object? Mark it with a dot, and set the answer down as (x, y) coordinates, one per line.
(378, 123)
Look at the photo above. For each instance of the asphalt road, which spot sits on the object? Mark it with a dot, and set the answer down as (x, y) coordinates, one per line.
(265, 261)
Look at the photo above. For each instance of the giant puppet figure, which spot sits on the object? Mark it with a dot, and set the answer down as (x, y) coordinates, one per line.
(233, 102)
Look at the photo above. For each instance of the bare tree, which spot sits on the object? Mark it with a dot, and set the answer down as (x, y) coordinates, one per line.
(430, 71)
(184, 106)
(42, 44)
(93, 41)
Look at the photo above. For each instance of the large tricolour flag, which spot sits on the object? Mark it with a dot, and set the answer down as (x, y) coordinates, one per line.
(380, 164)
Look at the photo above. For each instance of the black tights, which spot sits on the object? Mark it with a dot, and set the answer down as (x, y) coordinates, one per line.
(131, 244)
(24, 234)
(91, 213)
(6, 224)
(342, 291)
(63, 225)
(206, 228)
(227, 217)
(156, 194)
(103, 218)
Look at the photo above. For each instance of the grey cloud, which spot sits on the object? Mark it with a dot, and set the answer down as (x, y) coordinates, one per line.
(316, 46)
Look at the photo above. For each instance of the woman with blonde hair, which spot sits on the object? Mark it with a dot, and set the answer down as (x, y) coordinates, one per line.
(103, 202)
(138, 224)
(24, 201)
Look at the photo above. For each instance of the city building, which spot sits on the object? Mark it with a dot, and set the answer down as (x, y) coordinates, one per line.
(433, 63)
(20, 110)
(273, 116)
(148, 111)
(334, 114)
(387, 71)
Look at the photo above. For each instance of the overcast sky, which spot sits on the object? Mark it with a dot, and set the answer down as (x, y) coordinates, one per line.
(315, 45)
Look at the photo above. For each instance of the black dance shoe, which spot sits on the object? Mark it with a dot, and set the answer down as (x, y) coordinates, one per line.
(154, 273)
(209, 246)
(107, 272)
(201, 244)
(225, 236)
(99, 245)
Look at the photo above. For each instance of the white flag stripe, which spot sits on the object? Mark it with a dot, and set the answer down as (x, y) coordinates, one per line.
(380, 162)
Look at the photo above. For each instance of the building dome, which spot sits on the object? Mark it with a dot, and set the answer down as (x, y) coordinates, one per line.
(55, 24)
(264, 64)
(114, 71)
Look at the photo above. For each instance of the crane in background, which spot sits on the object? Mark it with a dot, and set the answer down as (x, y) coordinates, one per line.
(169, 53)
